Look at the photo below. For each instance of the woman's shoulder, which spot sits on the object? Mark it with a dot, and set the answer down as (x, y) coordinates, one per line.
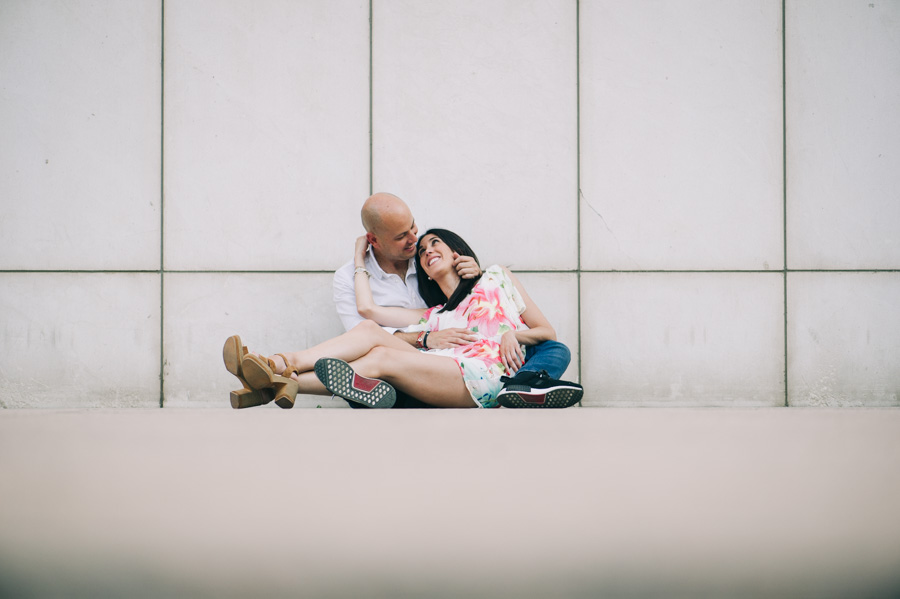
(496, 270)
(497, 273)
(503, 278)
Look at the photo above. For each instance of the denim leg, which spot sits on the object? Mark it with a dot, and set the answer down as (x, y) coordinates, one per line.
(552, 356)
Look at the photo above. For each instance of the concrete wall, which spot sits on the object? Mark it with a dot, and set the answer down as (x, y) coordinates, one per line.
(703, 195)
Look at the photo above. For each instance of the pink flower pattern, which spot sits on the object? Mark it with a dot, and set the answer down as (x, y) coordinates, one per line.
(490, 310)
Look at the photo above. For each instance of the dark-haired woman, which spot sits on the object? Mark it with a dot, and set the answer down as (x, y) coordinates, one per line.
(364, 364)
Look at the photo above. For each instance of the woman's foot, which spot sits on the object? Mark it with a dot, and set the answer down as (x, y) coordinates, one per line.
(340, 379)
(278, 364)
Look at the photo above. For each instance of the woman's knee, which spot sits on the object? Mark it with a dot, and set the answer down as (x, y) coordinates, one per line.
(372, 331)
(377, 362)
(382, 355)
(366, 326)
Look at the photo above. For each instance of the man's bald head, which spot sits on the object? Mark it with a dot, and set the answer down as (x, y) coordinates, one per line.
(390, 226)
(380, 208)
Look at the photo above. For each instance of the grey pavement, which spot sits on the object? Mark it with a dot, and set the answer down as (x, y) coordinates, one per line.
(584, 502)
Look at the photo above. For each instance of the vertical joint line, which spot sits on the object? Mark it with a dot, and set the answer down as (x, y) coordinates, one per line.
(784, 176)
(578, 176)
(162, 222)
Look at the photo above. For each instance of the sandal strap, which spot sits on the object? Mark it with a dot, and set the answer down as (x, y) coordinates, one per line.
(289, 368)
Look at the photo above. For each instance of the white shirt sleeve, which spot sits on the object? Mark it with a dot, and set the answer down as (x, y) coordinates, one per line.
(345, 296)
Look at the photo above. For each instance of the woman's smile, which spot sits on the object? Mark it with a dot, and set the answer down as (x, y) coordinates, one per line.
(431, 253)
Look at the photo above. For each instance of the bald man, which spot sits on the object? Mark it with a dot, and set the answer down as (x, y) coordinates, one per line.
(391, 232)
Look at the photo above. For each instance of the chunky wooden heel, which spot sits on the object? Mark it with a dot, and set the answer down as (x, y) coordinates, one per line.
(286, 394)
(248, 398)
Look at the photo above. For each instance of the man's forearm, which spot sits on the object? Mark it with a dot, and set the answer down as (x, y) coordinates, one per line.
(408, 337)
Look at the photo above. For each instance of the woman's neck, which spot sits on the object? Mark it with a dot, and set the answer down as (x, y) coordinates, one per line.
(448, 282)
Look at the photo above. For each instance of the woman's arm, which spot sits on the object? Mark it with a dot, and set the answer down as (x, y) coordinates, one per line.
(366, 306)
(539, 330)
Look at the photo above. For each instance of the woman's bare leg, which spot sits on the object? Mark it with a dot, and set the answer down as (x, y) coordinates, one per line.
(353, 344)
(310, 384)
(435, 380)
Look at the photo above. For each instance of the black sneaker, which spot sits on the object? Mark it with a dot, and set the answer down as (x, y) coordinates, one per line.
(538, 390)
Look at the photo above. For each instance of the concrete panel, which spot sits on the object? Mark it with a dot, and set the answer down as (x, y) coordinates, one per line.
(80, 142)
(267, 133)
(556, 294)
(843, 339)
(271, 313)
(843, 145)
(681, 135)
(80, 340)
(474, 122)
(683, 339)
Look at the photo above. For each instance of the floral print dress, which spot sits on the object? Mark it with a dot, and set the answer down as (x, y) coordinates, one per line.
(492, 308)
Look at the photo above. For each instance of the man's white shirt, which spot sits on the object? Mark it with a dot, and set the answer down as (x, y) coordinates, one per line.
(387, 290)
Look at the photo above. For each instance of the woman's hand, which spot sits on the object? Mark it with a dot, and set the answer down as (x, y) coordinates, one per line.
(359, 252)
(511, 352)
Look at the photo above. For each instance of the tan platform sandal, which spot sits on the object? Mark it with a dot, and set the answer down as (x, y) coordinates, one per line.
(259, 373)
(232, 354)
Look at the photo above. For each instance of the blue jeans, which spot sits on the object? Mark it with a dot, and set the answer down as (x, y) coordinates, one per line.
(552, 356)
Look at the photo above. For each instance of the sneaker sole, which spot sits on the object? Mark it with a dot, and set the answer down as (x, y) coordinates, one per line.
(340, 379)
(562, 397)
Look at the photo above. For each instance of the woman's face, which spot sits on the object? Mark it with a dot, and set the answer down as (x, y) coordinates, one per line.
(435, 256)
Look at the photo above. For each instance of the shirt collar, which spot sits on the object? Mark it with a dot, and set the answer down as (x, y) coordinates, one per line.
(376, 271)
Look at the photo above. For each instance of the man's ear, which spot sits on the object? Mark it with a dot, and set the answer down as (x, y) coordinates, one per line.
(373, 241)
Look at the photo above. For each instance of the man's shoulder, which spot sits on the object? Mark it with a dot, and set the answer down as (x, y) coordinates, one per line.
(344, 275)
(346, 269)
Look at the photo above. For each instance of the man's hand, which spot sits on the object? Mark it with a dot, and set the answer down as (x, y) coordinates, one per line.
(450, 338)
(466, 267)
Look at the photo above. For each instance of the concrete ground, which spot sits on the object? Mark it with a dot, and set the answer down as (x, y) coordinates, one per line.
(582, 502)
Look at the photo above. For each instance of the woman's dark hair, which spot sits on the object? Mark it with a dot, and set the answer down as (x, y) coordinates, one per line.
(430, 290)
